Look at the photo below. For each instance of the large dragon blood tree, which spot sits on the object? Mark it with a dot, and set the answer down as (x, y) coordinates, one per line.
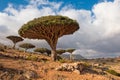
(49, 28)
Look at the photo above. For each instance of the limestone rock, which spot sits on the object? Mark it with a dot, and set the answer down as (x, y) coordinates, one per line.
(74, 67)
(76, 71)
(30, 74)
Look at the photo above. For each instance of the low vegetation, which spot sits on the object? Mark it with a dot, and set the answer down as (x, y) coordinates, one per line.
(113, 72)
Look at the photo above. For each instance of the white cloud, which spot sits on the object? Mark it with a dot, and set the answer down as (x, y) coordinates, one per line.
(107, 17)
(99, 29)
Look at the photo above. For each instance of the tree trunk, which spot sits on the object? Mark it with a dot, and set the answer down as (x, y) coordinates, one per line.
(70, 56)
(14, 46)
(53, 42)
(53, 54)
(25, 50)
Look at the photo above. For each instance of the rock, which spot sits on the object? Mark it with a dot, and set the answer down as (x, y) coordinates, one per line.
(104, 68)
(76, 71)
(30, 74)
(58, 68)
(70, 68)
(96, 64)
(65, 65)
(74, 67)
(21, 77)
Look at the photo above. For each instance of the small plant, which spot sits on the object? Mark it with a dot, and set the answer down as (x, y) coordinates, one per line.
(86, 64)
(113, 72)
(62, 61)
(32, 57)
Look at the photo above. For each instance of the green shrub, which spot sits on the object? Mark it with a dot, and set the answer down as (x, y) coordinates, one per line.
(62, 61)
(86, 64)
(32, 57)
(59, 57)
(113, 72)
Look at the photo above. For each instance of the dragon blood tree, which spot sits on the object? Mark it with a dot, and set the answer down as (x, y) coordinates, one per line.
(43, 50)
(49, 28)
(70, 50)
(26, 46)
(14, 39)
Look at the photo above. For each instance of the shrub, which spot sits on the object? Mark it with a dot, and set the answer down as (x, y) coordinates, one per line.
(59, 57)
(32, 57)
(113, 72)
(2, 49)
(86, 64)
(62, 61)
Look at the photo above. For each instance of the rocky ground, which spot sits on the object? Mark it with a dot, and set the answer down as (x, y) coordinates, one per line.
(17, 65)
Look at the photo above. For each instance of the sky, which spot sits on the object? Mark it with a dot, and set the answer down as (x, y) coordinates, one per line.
(99, 22)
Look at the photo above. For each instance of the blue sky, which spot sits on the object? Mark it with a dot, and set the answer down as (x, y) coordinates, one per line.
(99, 21)
(78, 4)
(4, 3)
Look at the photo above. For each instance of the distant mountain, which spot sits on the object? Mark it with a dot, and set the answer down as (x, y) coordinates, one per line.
(75, 56)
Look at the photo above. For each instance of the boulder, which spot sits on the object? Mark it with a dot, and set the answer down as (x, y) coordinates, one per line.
(76, 71)
(74, 67)
(21, 77)
(30, 74)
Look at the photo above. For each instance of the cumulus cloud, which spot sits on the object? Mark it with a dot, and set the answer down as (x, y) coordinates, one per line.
(99, 33)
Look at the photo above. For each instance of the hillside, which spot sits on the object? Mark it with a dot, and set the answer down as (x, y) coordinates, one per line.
(17, 65)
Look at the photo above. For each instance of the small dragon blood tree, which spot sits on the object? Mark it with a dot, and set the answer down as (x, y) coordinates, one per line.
(14, 39)
(26, 46)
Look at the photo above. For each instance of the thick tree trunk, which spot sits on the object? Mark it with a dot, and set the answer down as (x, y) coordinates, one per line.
(53, 42)
(53, 55)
